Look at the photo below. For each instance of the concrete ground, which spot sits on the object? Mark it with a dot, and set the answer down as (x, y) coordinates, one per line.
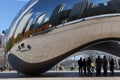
(13, 75)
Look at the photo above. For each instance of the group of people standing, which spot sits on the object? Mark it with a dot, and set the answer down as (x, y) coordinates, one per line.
(22, 46)
(88, 67)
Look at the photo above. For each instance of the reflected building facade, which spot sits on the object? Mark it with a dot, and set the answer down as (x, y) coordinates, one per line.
(38, 18)
(56, 14)
(79, 8)
(114, 4)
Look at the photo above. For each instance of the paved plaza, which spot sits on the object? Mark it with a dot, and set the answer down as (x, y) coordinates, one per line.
(73, 75)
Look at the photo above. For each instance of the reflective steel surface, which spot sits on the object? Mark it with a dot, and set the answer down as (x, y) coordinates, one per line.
(39, 17)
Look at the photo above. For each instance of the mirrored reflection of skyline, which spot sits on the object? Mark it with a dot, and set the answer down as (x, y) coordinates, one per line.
(69, 4)
(39, 15)
(80, 8)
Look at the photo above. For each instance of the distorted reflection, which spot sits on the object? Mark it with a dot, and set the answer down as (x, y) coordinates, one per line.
(39, 17)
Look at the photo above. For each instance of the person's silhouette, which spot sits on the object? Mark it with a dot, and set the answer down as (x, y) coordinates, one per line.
(105, 63)
(29, 47)
(19, 48)
(80, 63)
(119, 64)
(98, 65)
(89, 61)
(112, 66)
(22, 45)
(84, 65)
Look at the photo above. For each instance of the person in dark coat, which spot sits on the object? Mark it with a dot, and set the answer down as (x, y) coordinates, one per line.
(22, 45)
(19, 47)
(80, 63)
(84, 65)
(112, 66)
(119, 64)
(89, 61)
(29, 47)
(105, 63)
(98, 66)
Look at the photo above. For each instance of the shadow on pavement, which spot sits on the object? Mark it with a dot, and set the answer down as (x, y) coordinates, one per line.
(54, 74)
(76, 74)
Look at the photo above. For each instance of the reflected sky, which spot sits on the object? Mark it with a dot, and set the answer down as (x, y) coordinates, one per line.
(99, 1)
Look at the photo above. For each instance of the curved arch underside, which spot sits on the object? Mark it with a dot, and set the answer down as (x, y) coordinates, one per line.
(47, 50)
(36, 68)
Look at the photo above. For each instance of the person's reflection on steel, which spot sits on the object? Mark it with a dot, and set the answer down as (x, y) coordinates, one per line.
(29, 47)
(22, 45)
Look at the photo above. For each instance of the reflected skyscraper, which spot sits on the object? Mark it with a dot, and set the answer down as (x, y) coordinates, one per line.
(22, 24)
(79, 8)
(114, 4)
(55, 13)
(30, 22)
(39, 19)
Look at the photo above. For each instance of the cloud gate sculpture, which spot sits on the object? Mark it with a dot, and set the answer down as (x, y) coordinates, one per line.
(45, 32)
